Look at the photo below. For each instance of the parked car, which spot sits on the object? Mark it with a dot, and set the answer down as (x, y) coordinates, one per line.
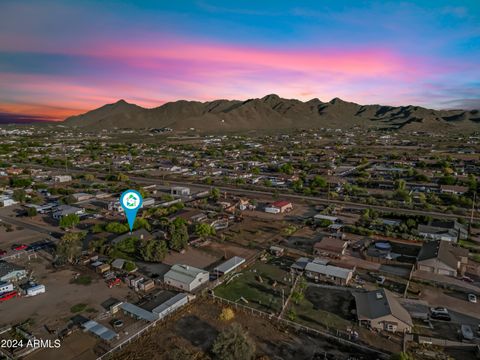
(440, 316)
(439, 309)
(467, 279)
(466, 332)
(19, 247)
(113, 282)
(472, 298)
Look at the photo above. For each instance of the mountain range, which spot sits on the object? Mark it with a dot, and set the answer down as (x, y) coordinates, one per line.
(274, 113)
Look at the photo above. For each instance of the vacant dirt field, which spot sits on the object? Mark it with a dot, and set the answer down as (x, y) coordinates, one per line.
(253, 231)
(196, 327)
(53, 307)
(191, 256)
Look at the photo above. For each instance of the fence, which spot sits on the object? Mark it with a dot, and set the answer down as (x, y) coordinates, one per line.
(139, 333)
(340, 336)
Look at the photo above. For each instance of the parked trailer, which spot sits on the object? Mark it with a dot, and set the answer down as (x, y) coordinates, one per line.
(8, 295)
(35, 290)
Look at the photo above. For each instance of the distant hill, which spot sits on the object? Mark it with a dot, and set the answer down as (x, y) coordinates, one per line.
(273, 113)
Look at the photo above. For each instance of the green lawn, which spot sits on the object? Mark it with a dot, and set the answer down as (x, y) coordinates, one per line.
(261, 295)
(307, 315)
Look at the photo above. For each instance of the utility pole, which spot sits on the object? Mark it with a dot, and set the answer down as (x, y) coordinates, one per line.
(471, 214)
(66, 160)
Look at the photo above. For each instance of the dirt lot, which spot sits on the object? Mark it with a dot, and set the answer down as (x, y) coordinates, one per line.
(195, 329)
(191, 256)
(53, 307)
(252, 231)
(303, 239)
(24, 236)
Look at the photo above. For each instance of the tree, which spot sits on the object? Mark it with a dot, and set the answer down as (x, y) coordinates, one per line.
(401, 356)
(233, 344)
(447, 180)
(297, 297)
(20, 182)
(19, 195)
(400, 185)
(178, 234)
(89, 177)
(215, 194)
(318, 182)
(121, 177)
(31, 211)
(69, 221)
(153, 250)
(141, 223)
(129, 266)
(286, 168)
(203, 230)
(116, 228)
(292, 315)
(69, 248)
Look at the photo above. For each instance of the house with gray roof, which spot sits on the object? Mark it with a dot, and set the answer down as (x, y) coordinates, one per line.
(64, 210)
(185, 277)
(448, 230)
(380, 310)
(443, 258)
(328, 273)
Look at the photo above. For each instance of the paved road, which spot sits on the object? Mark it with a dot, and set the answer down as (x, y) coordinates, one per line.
(26, 225)
(239, 191)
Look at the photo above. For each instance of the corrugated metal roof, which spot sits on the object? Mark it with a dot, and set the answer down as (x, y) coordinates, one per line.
(138, 311)
(328, 270)
(169, 303)
(229, 265)
(99, 330)
(183, 273)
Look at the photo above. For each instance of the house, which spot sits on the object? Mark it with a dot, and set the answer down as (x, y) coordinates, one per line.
(443, 258)
(279, 207)
(180, 191)
(299, 265)
(14, 171)
(321, 218)
(185, 277)
(140, 234)
(64, 210)
(331, 247)
(11, 272)
(380, 310)
(7, 201)
(453, 189)
(147, 202)
(62, 178)
(276, 250)
(449, 230)
(115, 206)
(81, 196)
(228, 266)
(191, 216)
(322, 271)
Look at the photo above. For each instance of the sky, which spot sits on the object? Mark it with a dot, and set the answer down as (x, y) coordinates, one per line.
(61, 58)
